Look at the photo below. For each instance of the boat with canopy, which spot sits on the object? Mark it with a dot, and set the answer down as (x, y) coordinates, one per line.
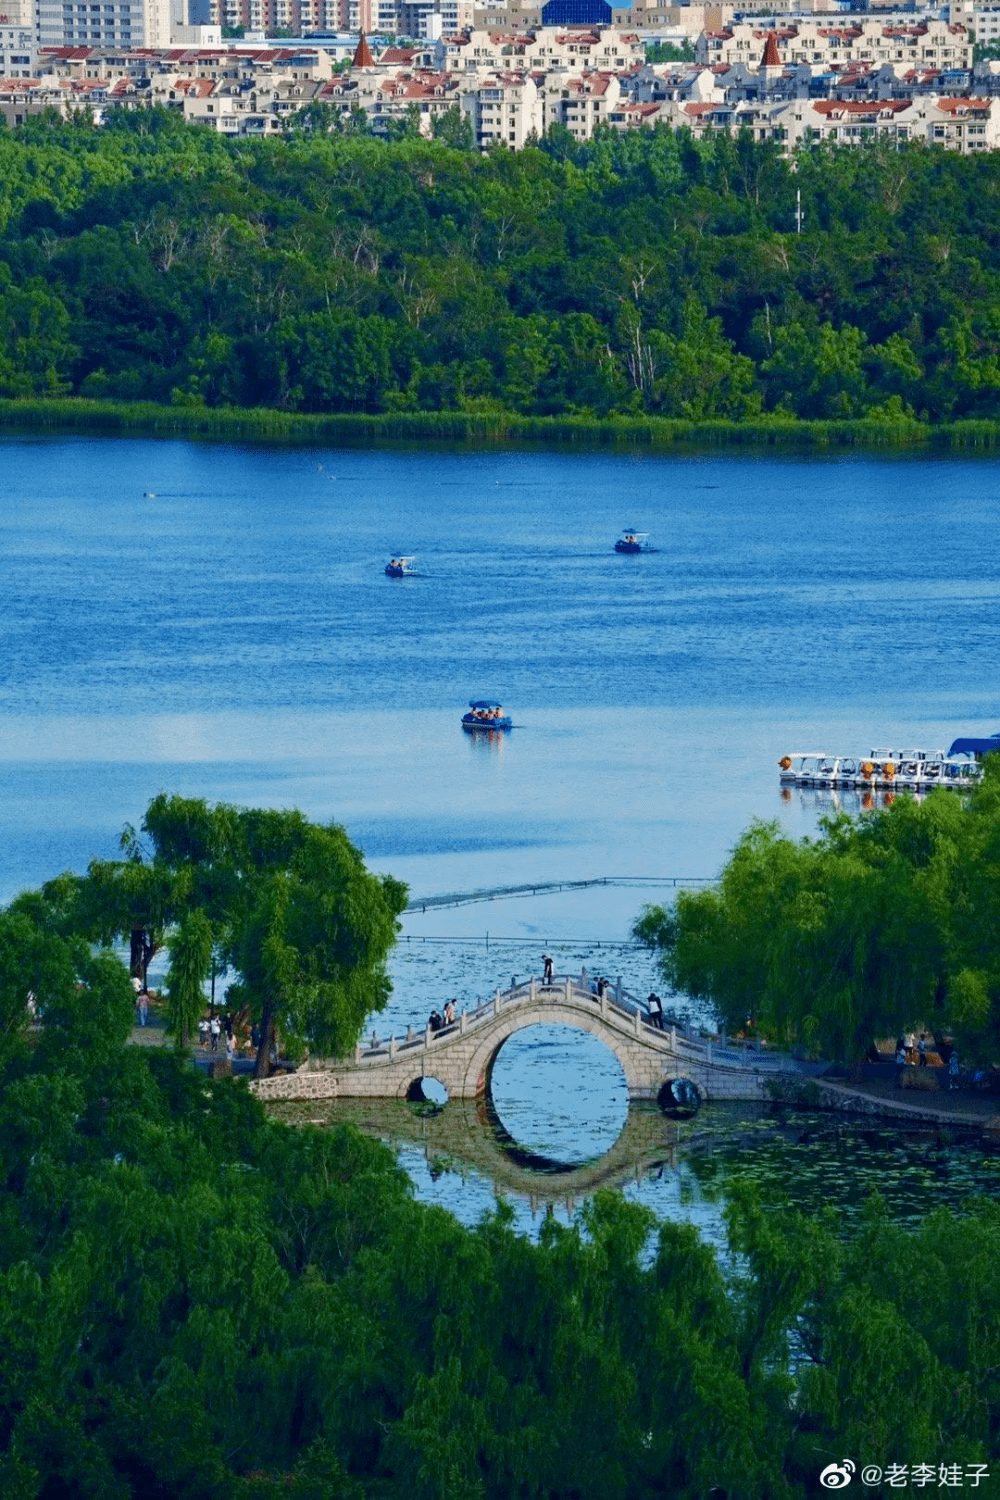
(632, 540)
(486, 713)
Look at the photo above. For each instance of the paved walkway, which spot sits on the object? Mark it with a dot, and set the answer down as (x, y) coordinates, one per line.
(954, 1106)
(153, 1034)
(150, 1035)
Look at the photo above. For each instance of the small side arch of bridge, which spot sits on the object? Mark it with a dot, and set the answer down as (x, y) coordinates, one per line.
(461, 1056)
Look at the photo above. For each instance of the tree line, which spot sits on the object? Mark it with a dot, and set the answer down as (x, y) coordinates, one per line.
(197, 1303)
(881, 923)
(640, 273)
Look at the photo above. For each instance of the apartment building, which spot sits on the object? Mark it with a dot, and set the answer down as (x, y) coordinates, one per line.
(503, 109)
(513, 86)
(931, 43)
(981, 17)
(579, 103)
(982, 20)
(966, 125)
(546, 47)
(103, 23)
(18, 51)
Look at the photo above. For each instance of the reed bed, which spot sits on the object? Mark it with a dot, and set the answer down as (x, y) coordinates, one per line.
(78, 414)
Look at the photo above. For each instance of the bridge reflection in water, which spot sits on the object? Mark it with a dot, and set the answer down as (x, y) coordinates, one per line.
(469, 1131)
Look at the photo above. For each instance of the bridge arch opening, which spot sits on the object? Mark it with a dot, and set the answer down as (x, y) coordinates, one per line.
(426, 1090)
(558, 1093)
(679, 1098)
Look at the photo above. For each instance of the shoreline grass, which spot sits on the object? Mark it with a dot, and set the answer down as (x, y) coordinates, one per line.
(76, 414)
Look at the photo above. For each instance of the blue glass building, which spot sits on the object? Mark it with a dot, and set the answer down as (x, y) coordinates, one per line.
(576, 13)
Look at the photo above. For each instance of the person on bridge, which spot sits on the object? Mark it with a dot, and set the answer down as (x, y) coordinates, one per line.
(546, 968)
(655, 1007)
(449, 1013)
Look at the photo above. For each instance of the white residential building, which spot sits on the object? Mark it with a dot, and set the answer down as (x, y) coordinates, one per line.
(105, 23)
(579, 103)
(18, 52)
(928, 43)
(546, 47)
(965, 125)
(503, 109)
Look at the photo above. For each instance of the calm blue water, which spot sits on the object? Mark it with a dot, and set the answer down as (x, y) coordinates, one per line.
(214, 620)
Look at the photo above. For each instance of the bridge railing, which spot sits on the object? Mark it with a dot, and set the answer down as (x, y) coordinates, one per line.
(618, 1008)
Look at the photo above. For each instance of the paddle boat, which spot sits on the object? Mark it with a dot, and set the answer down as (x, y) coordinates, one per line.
(400, 567)
(486, 713)
(906, 770)
(800, 767)
(632, 541)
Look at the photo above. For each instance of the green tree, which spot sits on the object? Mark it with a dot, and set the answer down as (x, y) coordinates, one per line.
(829, 942)
(818, 372)
(667, 52)
(305, 926)
(190, 965)
(454, 128)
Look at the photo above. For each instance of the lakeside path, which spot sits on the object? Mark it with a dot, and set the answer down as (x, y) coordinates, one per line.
(940, 1107)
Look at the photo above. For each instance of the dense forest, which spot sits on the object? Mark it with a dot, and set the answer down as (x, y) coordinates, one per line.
(647, 273)
(879, 924)
(199, 1304)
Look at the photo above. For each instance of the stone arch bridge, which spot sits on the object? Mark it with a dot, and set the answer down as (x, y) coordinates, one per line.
(461, 1056)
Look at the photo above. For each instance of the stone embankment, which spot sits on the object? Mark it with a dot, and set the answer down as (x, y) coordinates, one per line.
(934, 1107)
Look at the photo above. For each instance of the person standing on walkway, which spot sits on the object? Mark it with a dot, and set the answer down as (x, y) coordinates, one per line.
(214, 1031)
(655, 1007)
(900, 1062)
(143, 1007)
(953, 1069)
(922, 1050)
(546, 968)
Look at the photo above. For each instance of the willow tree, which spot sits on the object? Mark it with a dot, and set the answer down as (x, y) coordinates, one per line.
(285, 903)
(295, 913)
(829, 942)
(190, 965)
(130, 899)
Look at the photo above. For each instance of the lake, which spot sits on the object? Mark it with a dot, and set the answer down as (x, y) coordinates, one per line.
(214, 620)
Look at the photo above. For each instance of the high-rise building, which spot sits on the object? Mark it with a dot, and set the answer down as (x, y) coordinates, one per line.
(105, 23)
(18, 49)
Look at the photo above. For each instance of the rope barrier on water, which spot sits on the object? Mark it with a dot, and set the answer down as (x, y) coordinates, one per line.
(490, 938)
(547, 887)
